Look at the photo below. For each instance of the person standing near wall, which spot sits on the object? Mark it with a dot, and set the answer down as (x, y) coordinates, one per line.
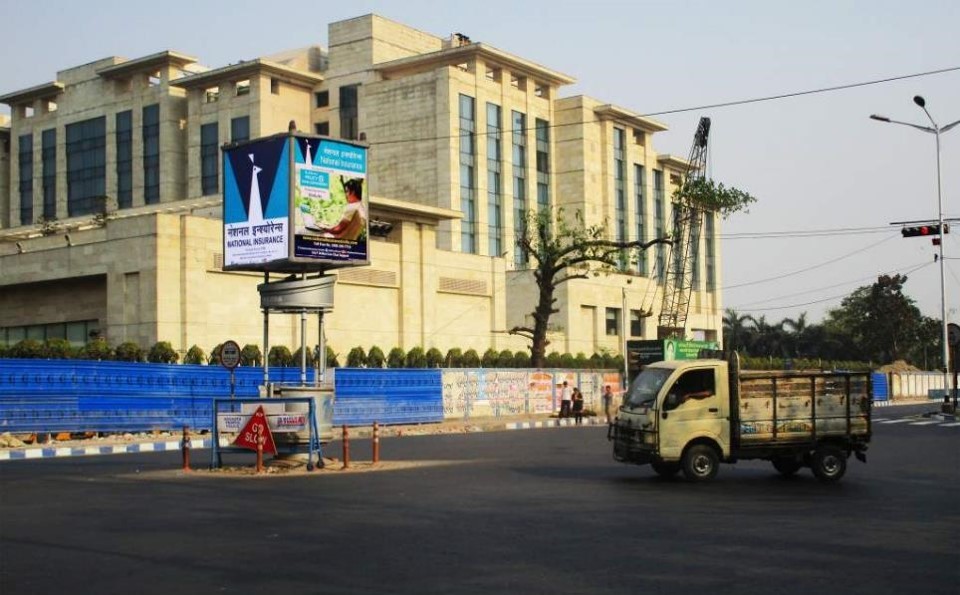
(566, 396)
(577, 406)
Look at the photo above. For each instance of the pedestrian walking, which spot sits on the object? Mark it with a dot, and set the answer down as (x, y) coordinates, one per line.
(607, 401)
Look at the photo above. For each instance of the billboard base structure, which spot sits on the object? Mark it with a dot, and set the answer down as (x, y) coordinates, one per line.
(300, 296)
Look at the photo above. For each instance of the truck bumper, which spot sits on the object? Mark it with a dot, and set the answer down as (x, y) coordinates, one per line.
(632, 446)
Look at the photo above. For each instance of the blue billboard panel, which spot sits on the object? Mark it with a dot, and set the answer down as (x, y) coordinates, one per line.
(256, 203)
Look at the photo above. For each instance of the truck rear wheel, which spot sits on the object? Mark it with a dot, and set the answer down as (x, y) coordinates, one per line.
(787, 466)
(665, 470)
(700, 463)
(829, 463)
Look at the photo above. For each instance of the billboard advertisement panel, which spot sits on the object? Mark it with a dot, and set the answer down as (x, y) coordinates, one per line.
(331, 205)
(256, 203)
(294, 203)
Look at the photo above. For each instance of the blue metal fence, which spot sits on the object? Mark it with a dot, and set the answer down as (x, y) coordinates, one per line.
(881, 386)
(87, 396)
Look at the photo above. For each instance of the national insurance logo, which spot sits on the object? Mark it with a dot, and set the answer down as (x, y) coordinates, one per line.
(256, 187)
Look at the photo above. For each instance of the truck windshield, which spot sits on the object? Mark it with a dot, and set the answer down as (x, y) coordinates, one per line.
(643, 391)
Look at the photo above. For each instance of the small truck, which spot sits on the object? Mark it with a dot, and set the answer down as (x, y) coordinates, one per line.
(691, 415)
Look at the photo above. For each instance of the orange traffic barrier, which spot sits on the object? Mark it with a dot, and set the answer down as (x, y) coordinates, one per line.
(185, 448)
(376, 442)
(346, 447)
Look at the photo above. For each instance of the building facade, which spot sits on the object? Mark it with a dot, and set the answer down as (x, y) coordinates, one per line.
(110, 196)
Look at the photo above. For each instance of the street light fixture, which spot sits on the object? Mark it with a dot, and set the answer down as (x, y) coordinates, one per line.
(936, 130)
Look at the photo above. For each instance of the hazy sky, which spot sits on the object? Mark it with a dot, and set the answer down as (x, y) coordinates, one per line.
(815, 162)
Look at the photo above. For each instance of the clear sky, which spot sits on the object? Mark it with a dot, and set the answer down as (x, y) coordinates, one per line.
(815, 162)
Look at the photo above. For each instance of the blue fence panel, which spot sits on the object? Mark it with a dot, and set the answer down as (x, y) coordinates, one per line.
(881, 386)
(387, 396)
(89, 396)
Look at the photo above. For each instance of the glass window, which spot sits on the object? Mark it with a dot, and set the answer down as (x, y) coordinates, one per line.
(25, 161)
(658, 214)
(240, 129)
(124, 138)
(613, 321)
(322, 128)
(636, 323)
(321, 98)
(151, 154)
(710, 248)
(349, 112)
(543, 164)
(209, 159)
(468, 185)
(639, 183)
(620, 181)
(520, 208)
(494, 194)
(243, 87)
(48, 150)
(86, 166)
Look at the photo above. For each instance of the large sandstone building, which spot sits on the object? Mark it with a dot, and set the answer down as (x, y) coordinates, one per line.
(110, 196)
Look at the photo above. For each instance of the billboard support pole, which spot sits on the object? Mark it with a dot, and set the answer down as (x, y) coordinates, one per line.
(303, 348)
(266, 343)
(322, 348)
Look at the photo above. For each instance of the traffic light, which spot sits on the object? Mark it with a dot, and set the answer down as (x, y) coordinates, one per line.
(923, 230)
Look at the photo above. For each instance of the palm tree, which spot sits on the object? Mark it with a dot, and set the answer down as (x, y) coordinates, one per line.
(796, 339)
(769, 337)
(736, 335)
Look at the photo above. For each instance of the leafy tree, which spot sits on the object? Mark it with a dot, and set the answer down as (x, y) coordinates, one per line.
(375, 357)
(162, 352)
(434, 358)
(880, 319)
(128, 351)
(709, 195)
(279, 355)
(562, 251)
(396, 358)
(490, 358)
(195, 355)
(59, 349)
(471, 359)
(356, 358)
(454, 358)
(250, 355)
(416, 358)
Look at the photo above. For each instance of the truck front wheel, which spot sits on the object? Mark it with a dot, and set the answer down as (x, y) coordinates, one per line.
(700, 463)
(829, 463)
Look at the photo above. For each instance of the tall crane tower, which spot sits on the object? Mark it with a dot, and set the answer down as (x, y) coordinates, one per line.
(687, 222)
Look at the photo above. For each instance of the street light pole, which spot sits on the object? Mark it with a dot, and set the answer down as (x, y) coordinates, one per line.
(936, 130)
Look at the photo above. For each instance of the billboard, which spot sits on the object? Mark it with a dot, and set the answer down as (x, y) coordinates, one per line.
(293, 203)
(642, 353)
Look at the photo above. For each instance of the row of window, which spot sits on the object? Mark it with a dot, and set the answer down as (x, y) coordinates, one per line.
(612, 322)
(77, 332)
(210, 151)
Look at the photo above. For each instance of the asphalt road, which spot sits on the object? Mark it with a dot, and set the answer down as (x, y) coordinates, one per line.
(538, 511)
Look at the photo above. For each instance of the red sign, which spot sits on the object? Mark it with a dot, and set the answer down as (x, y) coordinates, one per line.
(255, 429)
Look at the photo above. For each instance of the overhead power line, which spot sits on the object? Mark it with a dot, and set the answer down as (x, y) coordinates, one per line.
(498, 132)
(806, 233)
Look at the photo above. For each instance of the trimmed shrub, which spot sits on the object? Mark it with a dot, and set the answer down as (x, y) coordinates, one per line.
(195, 355)
(27, 349)
(609, 362)
(375, 357)
(357, 358)
(581, 361)
(505, 359)
(250, 355)
(214, 358)
(490, 358)
(454, 358)
(416, 358)
(596, 361)
(280, 356)
(568, 361)
(4, 351)
(471, 359)
(333, 358)
(553, 360)
(162, 352)
(521, 359)
(97, 349)
(128, 351)
(434, 358)
(59, 349)
(310, 358)
(396, 358)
